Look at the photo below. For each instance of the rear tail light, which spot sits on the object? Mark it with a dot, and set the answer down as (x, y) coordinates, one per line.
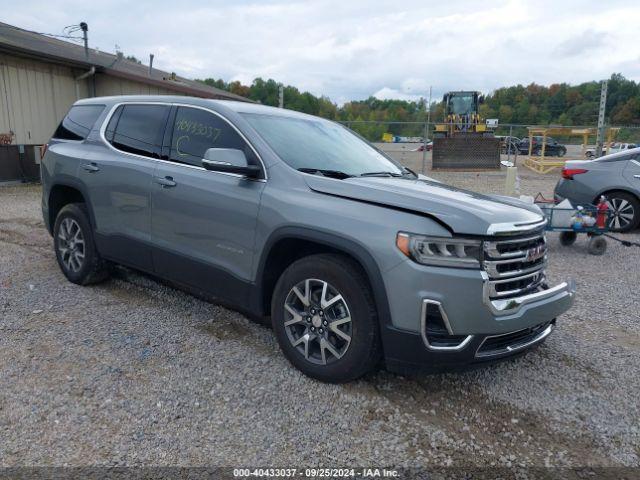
(568, 173)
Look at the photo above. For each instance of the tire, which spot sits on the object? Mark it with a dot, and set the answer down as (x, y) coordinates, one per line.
(597, 245)
(313, 309)
(590, 155)
(624, 211)
(568, 238)
(75, 248)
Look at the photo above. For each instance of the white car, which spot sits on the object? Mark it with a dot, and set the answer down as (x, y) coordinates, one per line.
(616, 147)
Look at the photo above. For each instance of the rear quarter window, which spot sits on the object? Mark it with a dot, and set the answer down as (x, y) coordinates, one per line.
(77, 124)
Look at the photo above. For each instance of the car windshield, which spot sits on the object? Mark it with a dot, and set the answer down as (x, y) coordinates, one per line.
(321, 146)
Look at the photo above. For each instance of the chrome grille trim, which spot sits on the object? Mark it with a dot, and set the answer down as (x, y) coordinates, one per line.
(515, 228)
(491, 247)
(514, 266)
(492, 267)
(536, 279)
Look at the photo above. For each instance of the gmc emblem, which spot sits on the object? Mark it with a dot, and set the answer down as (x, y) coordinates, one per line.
(535, 253)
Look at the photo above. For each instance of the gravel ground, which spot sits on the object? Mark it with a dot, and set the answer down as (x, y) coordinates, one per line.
(131, 372)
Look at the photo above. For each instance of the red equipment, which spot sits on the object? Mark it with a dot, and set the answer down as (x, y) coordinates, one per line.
(602, 208)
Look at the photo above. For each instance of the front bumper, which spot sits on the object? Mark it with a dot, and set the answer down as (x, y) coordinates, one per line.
(462, 293)
(469, 313)
(405, 352)
(559, 296)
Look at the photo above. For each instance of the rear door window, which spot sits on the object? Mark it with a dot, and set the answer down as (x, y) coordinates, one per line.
(138, 129)
(77, 124)
(196, 130)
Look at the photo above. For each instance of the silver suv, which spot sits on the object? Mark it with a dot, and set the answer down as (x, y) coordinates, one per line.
(355, 259)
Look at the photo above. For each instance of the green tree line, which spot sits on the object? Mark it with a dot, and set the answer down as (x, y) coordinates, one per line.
(557, 104)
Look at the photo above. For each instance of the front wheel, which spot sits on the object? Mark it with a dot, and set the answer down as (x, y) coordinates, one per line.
(325, 320)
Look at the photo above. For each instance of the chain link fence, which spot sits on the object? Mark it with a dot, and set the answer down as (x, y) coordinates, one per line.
(374, 130)
(407, 142)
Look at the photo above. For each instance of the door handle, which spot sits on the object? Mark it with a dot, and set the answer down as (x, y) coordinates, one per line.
(91, 167)
(637, 176)
(166, 182)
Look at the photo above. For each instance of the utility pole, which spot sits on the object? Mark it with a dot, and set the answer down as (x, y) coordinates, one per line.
(603, 106)
(509, 146)
(280, 96)
(85, 28)
(429, 109)
(426, 132)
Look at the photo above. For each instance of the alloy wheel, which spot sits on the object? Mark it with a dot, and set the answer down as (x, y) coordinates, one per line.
(317, 321)
(71, 246)
(622, 213)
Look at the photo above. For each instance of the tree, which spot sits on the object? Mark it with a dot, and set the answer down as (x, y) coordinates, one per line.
(131, 58)
(534, 104)
(629, 113)
(505, 113)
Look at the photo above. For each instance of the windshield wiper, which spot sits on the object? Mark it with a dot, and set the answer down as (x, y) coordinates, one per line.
(410, 172)
(406, 172)
(380, 174)
(326, 173)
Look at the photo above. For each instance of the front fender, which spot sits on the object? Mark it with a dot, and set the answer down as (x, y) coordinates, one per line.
(349, 246)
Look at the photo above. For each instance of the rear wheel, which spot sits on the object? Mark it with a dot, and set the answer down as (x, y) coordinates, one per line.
(75, 249)
(624, 211)
(325, 320)
(597, 245)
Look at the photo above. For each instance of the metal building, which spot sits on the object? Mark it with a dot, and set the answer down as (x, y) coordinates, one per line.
(41, 77)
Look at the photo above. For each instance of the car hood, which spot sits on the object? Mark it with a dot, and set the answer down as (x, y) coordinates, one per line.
(463, 211)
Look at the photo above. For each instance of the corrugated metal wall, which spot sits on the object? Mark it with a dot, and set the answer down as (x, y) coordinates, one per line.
(34, 96)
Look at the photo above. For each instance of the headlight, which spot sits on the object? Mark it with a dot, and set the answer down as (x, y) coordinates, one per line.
(439, 251)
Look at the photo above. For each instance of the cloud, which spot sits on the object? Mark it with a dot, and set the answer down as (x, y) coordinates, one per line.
(386, 93)
(351, 50)
(586, 43)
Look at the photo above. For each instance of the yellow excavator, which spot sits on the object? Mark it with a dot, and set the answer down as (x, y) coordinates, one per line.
(464, 140)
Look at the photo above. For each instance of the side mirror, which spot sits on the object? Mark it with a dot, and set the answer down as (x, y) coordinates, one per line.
(229, 160)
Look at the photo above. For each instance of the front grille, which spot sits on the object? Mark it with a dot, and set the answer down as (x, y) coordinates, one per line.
(515, 266)
(514, 341)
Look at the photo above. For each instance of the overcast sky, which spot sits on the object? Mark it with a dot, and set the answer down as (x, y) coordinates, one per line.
(350, 49)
